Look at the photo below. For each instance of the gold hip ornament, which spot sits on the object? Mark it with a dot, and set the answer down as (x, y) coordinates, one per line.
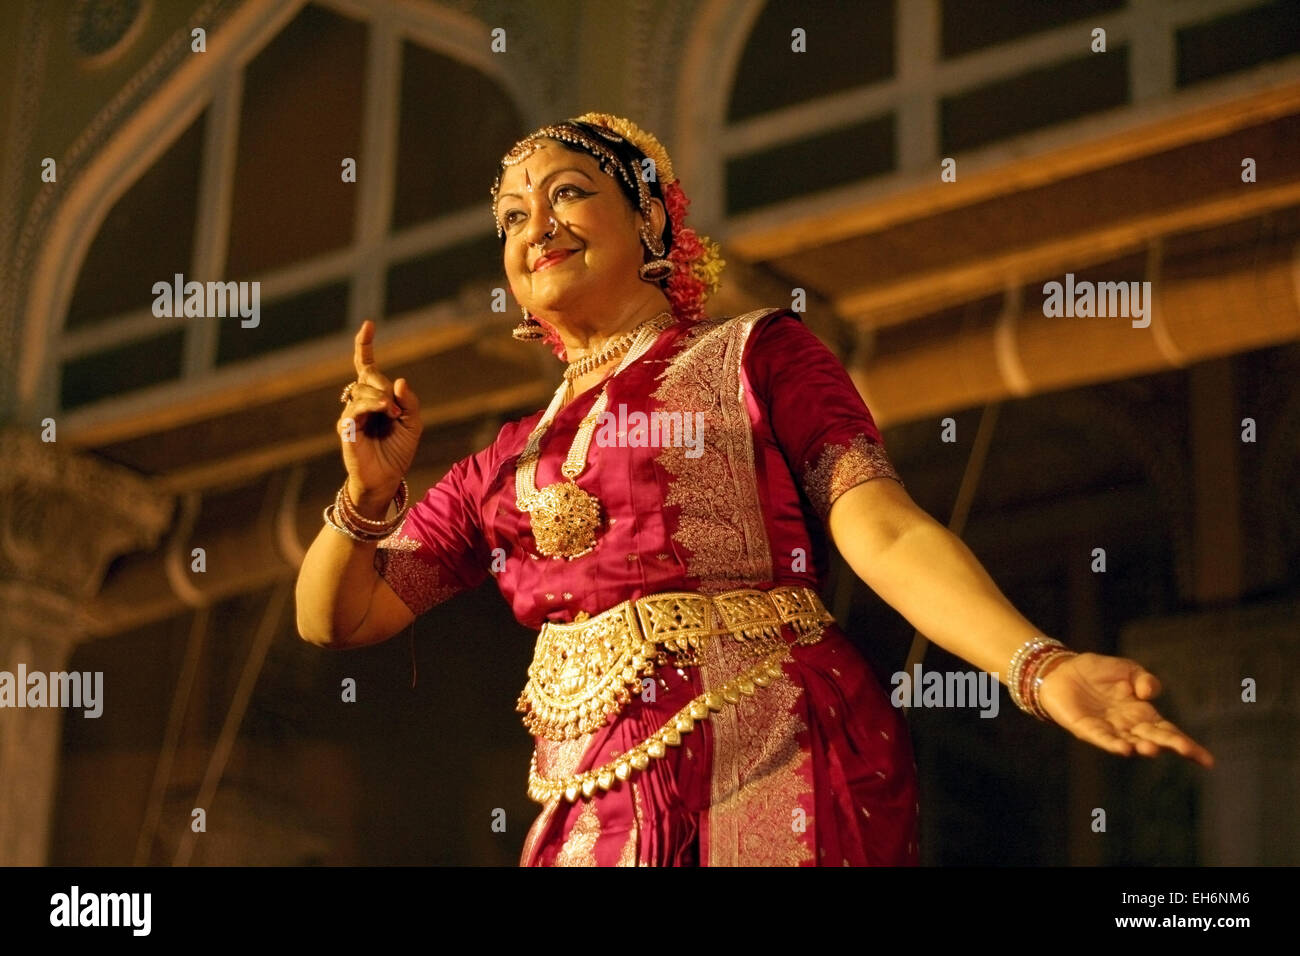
(565, 518)
(584, 671)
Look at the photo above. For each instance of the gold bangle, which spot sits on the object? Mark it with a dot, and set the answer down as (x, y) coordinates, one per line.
(349, 509)
(367, 527)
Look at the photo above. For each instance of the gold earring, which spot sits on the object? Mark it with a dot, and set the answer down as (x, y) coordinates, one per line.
(652, 242)
(659, 267)
(656, 269)
(529, 330)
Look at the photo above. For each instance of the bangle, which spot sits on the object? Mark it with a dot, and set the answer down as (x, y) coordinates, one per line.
(1032, 681)
(1029, 653)
(344, 517)
(355, 519)
(1017, 661)
(1028, 667)
(332, 522)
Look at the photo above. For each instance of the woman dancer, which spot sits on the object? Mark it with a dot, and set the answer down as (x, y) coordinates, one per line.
(665, 524)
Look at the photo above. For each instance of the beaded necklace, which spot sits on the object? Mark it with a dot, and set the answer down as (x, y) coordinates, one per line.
(564, 518)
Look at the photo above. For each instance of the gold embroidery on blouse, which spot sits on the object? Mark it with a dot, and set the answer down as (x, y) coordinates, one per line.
(580, 846)
(721, 517)
(841, 467)
(416, 581)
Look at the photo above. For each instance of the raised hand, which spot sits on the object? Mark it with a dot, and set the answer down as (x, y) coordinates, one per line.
(380, 428)
(1104, 700)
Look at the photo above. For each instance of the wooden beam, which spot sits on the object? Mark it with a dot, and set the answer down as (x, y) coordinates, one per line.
(900, 200)
(269, 458)
(257, 382)
(1025, 353)
(878, 306)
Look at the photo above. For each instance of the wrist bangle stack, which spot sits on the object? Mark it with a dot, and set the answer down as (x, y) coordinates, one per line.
(344, 517)
(1024, 678)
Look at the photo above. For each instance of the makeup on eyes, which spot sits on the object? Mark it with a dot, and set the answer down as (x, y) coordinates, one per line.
(578, 190)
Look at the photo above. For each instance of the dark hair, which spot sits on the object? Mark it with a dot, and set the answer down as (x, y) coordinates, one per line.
(632, 159)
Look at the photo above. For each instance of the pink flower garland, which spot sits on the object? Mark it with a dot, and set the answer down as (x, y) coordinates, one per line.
(685, 290)
(551, 338)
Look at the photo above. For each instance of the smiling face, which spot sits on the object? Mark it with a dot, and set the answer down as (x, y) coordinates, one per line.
(595, 227)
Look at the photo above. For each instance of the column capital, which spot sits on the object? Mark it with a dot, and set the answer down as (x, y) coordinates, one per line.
(64, 515)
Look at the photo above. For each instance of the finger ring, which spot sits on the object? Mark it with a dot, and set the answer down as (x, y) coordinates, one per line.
(347, 392)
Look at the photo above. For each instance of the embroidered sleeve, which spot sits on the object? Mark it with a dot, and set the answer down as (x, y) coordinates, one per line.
(841, 467)
(438, 550)
(817, 416)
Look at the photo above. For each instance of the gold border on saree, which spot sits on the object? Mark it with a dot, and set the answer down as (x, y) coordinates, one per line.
(542, 789)
(583, 672)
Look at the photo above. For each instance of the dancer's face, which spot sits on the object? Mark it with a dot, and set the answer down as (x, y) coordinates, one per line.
(589, 220)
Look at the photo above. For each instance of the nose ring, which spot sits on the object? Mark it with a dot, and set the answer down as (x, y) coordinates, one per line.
(550, 234)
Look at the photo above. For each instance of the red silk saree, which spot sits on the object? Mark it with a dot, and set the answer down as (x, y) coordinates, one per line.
(815, 768)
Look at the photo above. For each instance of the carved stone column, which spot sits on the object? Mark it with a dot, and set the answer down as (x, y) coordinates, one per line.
(1244, 809)
(63, 518)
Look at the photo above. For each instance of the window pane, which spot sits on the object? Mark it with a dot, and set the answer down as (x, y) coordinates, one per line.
(301, 116)
(1042, 97)
(147, 237)
(121, 369)
(283, 323)
(456, 124)
(1238, 41)
(849, 43)
(973, 24)
(829, 159)
(442, 274)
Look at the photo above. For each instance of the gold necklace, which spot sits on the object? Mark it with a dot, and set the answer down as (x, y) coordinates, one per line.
(564, 518)
(580, 367)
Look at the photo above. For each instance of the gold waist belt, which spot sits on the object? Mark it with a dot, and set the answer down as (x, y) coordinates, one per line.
(584, 672)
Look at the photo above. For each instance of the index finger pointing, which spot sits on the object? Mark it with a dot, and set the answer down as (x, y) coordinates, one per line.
(363, 355)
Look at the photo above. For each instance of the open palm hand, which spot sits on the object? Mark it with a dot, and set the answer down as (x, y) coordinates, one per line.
(1104, 700)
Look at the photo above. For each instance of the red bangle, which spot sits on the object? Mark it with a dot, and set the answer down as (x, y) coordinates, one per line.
(1034, 681)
